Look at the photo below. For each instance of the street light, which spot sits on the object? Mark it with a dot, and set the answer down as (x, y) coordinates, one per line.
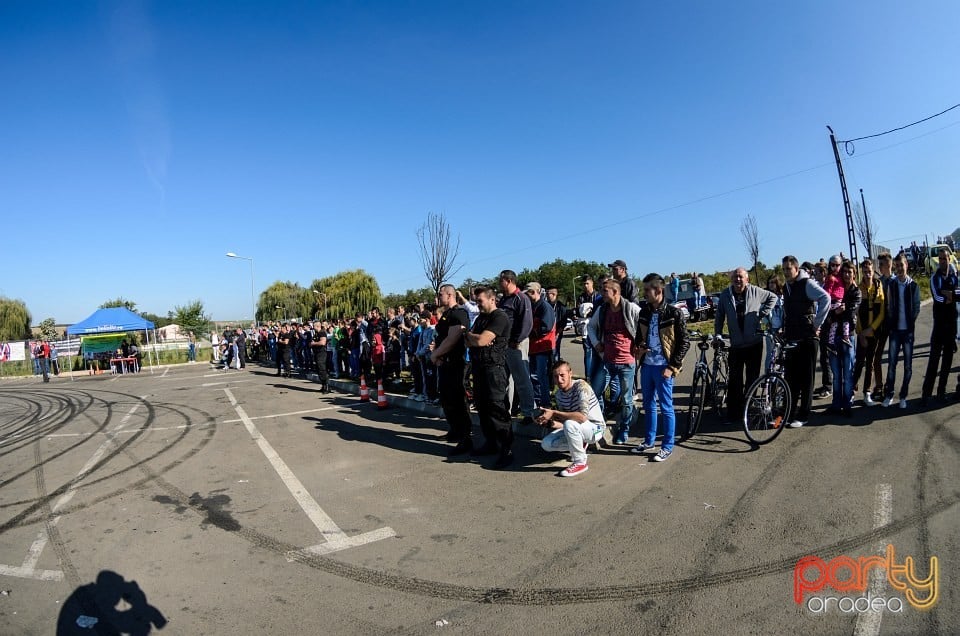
(324, 296)
(253, 301)
(575, 279)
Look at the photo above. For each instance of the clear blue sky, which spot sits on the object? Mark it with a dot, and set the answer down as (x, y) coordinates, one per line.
(143, 141)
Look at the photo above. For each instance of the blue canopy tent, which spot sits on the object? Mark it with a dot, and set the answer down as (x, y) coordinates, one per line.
(112, 320)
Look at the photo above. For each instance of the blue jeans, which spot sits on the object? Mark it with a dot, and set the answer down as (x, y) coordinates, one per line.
(589, 360)
(899, 339)
(623, 375)
(518, 361)
(191, 352)
(841, 363)
(658, 388)
(540, 377)
(599, 379)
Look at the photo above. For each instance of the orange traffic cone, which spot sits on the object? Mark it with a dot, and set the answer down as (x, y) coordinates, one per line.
(364, 391)
(381, 396)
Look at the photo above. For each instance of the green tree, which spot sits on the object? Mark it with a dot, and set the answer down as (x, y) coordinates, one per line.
(158, 321)
(48, 329)
(120, 301)
(284, 300)
(346, 293)
(566, 276)
(414, 296)
(15, 320)
(190, 317)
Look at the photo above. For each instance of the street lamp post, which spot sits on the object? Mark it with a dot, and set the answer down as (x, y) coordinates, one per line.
(253, 298)
(574, 299)
(324, 297)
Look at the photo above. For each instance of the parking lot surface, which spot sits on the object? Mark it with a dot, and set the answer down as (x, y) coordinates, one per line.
(196, 501)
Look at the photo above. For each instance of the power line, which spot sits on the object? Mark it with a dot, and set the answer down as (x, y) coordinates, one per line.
(848, 143)
(684, 204)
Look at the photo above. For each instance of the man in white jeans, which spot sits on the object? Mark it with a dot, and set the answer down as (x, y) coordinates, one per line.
(577, 421)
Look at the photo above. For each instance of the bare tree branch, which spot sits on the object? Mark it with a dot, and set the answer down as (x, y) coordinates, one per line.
(751, 239)
(438, 251)
(865, 227)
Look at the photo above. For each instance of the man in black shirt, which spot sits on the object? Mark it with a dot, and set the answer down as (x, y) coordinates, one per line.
(448, 356)
(519, 312)
(487, 340)
(628, 289)
(284, 341)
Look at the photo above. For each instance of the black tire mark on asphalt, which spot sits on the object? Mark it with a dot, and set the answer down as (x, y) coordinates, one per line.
(53, 536)
(23, 435)
(931, 618)
(677, 611)
(534, 596)
(24, 518)
(67, 449)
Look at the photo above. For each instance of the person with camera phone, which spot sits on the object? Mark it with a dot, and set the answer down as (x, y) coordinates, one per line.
(576, 422)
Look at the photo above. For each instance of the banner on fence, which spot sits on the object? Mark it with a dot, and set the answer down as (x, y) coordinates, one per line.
(13, 351)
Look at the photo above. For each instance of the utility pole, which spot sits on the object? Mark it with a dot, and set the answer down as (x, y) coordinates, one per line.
(851, 235)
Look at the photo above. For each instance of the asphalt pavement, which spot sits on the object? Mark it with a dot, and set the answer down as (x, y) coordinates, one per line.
(196, 501)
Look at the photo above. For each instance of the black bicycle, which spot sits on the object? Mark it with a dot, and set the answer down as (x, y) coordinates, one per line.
(709, 381)
(768, 401)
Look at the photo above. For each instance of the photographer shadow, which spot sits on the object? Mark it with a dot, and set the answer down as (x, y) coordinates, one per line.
(110, 605)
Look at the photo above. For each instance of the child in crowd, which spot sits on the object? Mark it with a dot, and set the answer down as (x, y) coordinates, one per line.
(833, 285)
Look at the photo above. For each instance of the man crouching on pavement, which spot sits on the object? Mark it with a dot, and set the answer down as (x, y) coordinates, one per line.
(578, 419)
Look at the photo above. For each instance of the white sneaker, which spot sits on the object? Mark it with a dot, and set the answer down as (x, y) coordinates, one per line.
(903, 404)
(887, 401)
(867, 400)
(796, 424)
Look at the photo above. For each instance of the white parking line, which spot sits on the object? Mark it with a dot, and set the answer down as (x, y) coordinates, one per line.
(28, 569)
(267, 417)
(868, 623)
(334, 538)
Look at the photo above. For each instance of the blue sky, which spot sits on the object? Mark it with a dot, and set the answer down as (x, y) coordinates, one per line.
(143, 141)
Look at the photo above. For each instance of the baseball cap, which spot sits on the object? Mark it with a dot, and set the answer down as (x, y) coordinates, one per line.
(617, 263)
(534, 287)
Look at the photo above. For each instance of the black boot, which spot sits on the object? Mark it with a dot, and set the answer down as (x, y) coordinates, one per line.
(465, 446)
(505, 438)
(489, 448)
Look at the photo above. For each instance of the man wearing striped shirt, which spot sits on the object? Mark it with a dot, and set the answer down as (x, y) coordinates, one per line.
(577, 421)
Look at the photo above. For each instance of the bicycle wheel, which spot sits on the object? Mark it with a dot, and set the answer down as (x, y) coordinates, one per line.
(698, 393)
(767, 409)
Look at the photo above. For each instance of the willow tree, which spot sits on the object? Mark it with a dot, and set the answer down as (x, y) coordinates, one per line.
(284, 300)
(15, 320)
(345, 294)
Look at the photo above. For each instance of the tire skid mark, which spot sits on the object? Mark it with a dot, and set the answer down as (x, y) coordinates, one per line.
(67, 449)
(28, 516)
(931, 618)
(533, 596)
(177, 409)
(728, 523)
(24, 431)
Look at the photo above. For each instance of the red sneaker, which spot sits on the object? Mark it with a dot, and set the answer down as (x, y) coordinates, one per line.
(573, 470)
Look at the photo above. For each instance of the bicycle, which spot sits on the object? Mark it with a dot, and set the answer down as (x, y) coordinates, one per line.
(708, 380)
(768, 401)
